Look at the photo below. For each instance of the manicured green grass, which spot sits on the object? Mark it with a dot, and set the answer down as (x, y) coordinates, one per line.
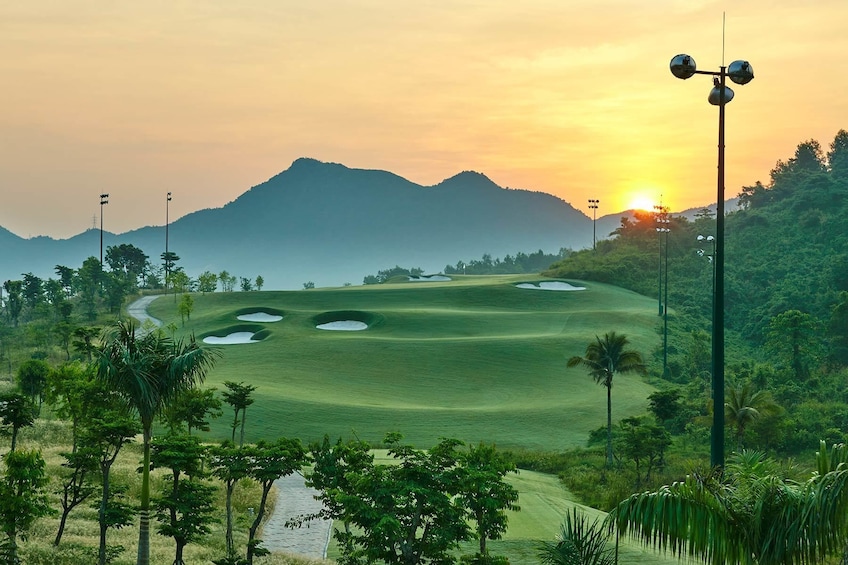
(475, 358)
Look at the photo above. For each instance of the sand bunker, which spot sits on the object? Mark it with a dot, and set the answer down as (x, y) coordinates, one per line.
(430, 278)
(344, 325)
(233, 338)
(551, 285)
(259, 317)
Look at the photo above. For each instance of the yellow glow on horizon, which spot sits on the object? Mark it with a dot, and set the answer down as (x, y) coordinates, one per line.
(642, 202)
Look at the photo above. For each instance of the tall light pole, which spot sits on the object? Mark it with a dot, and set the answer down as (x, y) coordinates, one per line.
(167, 204)
(661, 217)
(740, 72)
(104, 199)
(663, 229)
(593, 205)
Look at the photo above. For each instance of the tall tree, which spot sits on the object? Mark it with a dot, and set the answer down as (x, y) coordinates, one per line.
(230, 464)
(14, 299)
(22, 497)
(149, 371)
(751, 515)
(239, 396)
(185, 509)
(127, 261)
(403, 514)
(192, 408)
(16, 411)
(795, 337)
(32, 380)
(604, 358)
(485, 492)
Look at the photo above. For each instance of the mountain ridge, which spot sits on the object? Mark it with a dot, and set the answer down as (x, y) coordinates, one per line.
(331, 224)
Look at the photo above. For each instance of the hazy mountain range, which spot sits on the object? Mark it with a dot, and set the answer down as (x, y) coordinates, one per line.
(327, 223)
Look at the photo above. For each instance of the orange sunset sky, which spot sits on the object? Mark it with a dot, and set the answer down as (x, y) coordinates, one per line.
(572, 97)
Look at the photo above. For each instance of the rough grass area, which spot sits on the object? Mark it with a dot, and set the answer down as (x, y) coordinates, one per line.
(80, 541)
(475, 358)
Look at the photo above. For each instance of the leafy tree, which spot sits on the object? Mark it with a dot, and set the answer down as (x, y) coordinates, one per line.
(664, 404)
(179, 282)
(837, 157)
(795, 337)
(207, 282)
(604, 358)
(33, 290)
(485, 492)
(260, 282)
(194, 408)
(405, 513)
(270, 461)
(76, 484)
(126, 261)
(643, 442)
(246, 284)
(744, 406)
(185, 308)
(66, 279)
(308, 285)
(14, 299)
(87, 284)
(169, 260)
(238, 395)
(32, 380)
(22, 497)
(334, 466)
(108, 428)
(116, 288)
(228, 281)
(230, 464)
(83, 341)
(750, 515)
(148, 371)
(16, 411)
(581, 542)
(185, 510)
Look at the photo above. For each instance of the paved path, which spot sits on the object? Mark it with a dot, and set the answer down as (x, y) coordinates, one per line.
(294, 498)
(138, 310)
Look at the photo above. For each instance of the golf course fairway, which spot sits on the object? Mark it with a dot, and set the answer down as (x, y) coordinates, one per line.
(475, 358)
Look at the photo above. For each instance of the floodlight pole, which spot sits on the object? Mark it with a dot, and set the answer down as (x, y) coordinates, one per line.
(104, 199)
(740, 72)
(167, 269)
(593, 205)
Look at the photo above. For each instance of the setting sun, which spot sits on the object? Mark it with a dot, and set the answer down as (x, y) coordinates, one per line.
(641, 202)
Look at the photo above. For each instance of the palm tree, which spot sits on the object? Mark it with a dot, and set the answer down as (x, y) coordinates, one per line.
(148, 371)
(749, 516)
(581, 542)
(745, 405)
(604, 358)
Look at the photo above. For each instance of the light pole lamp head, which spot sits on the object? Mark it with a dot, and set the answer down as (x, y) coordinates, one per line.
(715, 98)
(740, 72)
(682, 66)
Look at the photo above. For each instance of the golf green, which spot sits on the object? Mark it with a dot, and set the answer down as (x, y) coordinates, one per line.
(475, 358)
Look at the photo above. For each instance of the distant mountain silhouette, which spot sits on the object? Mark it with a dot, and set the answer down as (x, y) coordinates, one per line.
(327, 223)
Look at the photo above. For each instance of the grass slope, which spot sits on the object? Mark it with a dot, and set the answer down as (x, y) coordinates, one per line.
(475, 358)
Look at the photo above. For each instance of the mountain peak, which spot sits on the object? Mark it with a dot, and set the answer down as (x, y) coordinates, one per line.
(468, 179)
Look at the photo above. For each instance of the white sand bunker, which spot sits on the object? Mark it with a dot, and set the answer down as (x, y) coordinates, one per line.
(344, 325)
(430, 278)
(259, 317)
(231, 339)
(551, 285)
